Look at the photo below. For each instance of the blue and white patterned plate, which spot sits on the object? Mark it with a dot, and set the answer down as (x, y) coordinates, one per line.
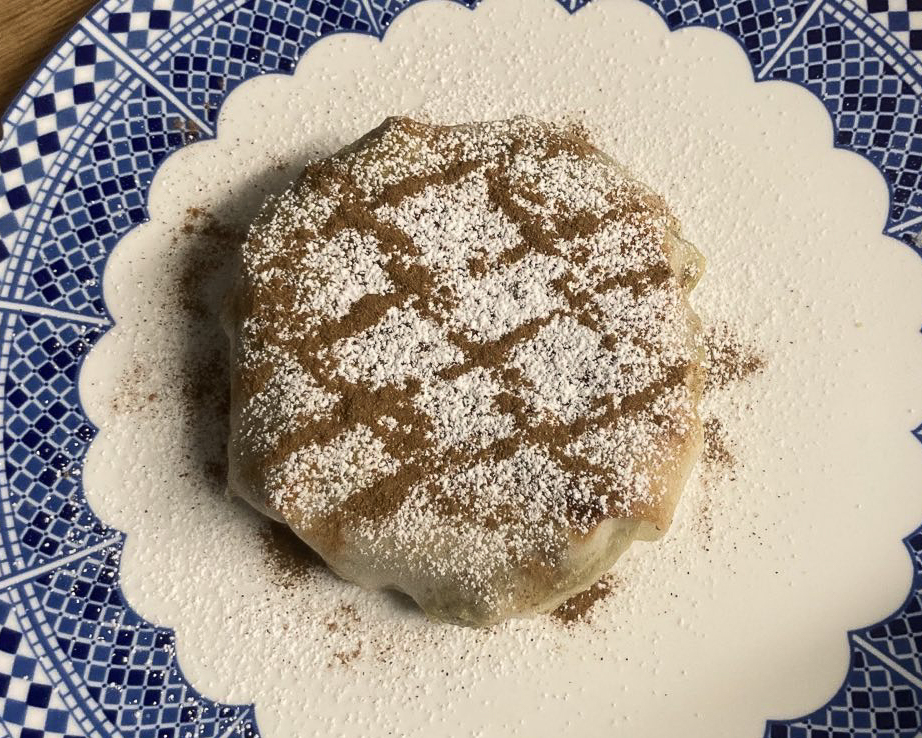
(80, 149)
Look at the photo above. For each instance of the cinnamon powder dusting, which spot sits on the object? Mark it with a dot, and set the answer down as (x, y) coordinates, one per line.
(131, 394)
(347, 657)
(578, 608)
(342, 625)
(716, 445)
(729, 361)
(211, 243)
(344, 618)
(208, 246)
(728, 358)
(290, 560)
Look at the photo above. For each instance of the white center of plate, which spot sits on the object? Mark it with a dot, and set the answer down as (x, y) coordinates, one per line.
(740, 613)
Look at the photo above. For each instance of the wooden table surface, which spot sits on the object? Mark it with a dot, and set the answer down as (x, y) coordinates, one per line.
(29, 29)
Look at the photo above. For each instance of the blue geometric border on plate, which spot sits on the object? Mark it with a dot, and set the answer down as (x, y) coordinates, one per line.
(136, 80)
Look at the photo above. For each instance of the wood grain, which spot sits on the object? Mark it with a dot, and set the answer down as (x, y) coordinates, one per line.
(29, 29)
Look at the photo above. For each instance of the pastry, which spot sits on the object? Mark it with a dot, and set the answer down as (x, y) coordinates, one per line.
(464, 364)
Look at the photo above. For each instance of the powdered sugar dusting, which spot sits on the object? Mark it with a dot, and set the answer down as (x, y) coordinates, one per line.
(508, 297)
(567, 368)
(332, 472)
(528, 482)
(343, 269)
(290, 398)
(402, 345)
(439, 221)
(460, 417)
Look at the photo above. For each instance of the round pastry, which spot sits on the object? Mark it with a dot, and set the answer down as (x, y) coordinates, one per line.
(464, 364)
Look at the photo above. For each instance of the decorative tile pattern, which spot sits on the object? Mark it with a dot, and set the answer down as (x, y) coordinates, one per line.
(45, 438)
(875, 109)
(139, 25)
(384, 11)
(80, 150)
(103, 199)
(40, 124)
(30, 705)
(874, 702)
(127, 665)
(758, 25)
(900, 637)
(258, 37)
(903, 19)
